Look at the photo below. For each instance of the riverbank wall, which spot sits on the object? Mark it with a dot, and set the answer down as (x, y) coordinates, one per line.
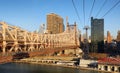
(53, 62)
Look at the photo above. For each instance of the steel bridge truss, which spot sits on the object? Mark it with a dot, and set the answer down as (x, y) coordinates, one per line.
(15, 39)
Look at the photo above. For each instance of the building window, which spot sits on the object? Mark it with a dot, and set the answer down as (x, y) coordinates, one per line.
(105, 68)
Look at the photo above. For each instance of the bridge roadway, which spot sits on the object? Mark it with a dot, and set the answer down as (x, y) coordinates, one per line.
(14, 39)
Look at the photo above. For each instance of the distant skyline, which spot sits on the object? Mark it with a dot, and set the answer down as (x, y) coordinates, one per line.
(29, 14)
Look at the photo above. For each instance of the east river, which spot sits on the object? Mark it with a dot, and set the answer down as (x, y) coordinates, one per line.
(36, 68)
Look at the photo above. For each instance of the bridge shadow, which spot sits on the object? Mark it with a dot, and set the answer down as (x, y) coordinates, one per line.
(20, 55)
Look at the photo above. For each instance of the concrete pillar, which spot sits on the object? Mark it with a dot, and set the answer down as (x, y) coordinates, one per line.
(99, 67)
(102, 67)
(109, 68)
(116, 69)
(4, 47)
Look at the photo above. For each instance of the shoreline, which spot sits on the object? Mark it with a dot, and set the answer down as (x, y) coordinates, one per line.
(65, 66)
(46, 64)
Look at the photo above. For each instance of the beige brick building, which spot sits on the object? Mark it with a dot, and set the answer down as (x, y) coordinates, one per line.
(54, 23)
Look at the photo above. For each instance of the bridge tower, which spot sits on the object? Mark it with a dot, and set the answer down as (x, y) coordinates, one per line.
(86, 28)
(86, 43)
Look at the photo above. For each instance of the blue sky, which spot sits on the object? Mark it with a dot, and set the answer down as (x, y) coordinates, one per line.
(29, 14)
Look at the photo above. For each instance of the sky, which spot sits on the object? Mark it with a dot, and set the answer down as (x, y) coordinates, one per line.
(30, 14)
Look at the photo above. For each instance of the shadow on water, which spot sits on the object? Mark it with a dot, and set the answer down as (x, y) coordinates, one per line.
(34, 68)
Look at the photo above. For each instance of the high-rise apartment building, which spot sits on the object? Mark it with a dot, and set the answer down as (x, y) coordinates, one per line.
(97, 35)
(109, 38)
(118, 36)
(54, 23)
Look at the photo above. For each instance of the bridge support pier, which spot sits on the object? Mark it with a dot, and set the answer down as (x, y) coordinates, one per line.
(4, 47)
(4, 50)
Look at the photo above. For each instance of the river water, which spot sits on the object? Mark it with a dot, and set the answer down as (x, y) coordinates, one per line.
(35, 68)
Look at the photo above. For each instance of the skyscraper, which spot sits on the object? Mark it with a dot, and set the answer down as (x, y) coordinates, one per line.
(97, 35)
(54, 23)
